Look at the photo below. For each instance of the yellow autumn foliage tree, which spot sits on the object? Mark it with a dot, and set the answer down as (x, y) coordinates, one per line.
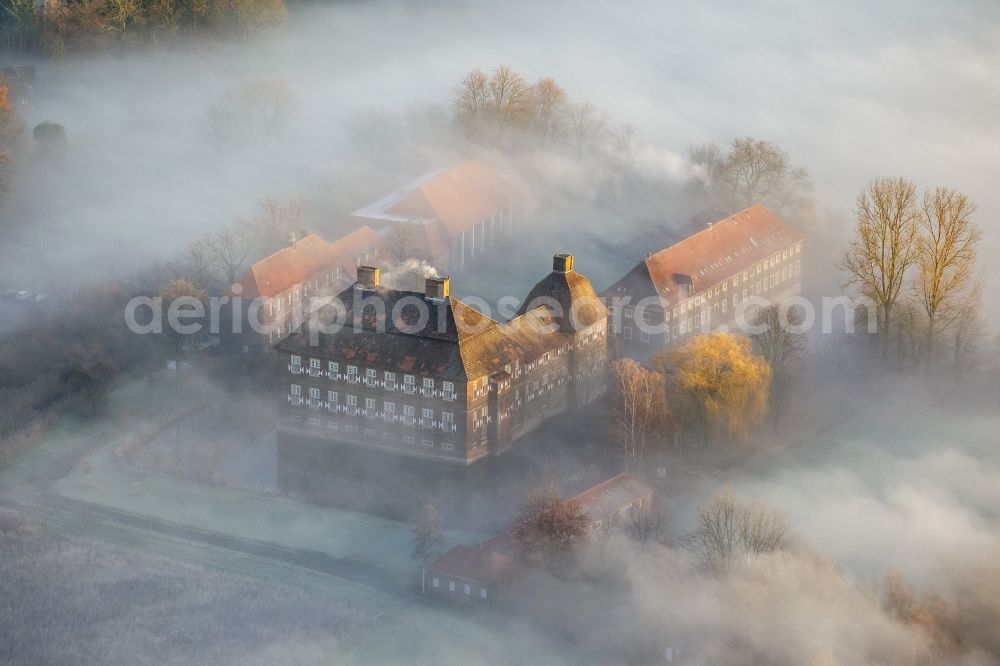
(721, 387)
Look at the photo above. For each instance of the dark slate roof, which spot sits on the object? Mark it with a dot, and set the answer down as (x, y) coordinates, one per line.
(536, 332)
(568, 289)
(382, 328)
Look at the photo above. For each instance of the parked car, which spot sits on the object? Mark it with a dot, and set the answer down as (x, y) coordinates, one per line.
(41, 297)
(22, 296)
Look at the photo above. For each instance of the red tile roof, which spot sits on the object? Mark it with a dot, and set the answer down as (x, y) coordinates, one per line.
(304, 258)
(609, 497)
(724, 249)
(472, 563)
(457, 198)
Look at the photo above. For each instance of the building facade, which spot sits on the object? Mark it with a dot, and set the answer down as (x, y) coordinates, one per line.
(309, 267)
(423, 374)
(704, 282)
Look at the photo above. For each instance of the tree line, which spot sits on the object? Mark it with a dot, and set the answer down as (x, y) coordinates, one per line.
(61, 27)
(915, 256)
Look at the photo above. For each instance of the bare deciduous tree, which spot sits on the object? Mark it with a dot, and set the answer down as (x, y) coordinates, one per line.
(946, 285)
(195, 265)
(753, 171)
(640, 408)
(781, 343)
(510, 97)
(587, 126)
(228, 251)
(252, 17)
(400, 245)
(254, 110)
(728, 528)
(276, 225)
(472, 94)
(884, 247)
(550, 109)
(651, 525)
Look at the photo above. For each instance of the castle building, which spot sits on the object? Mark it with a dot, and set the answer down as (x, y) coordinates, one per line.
(704, 282)
(425, 375)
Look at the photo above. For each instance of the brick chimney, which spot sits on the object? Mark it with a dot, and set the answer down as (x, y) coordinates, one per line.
(368, 277)
(437, 287)
(562, 263)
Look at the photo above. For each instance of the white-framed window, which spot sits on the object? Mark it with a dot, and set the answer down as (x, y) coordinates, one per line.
(447, 446)
(352, 372)
(628, 311)
(389, 407)
(408, 410)
(296, 389)
(313, 393)
(331, 396)
(428, 382)
(448, 389)
(468, 589)
(409, 380)
(314, 363)
(408, 439)
(314, 421)
(451, 586)
(448, 417)
(371, 373)
(333, 368)
(435, 582)
(352, 400)
(332, 425)
(369, 403)
(427, 442)
(390, 379)
(296, 360)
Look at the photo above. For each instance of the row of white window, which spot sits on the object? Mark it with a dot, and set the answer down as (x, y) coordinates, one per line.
(371, 375)
(697, 301)
(691, 323)
(483, 594)
(388, 407)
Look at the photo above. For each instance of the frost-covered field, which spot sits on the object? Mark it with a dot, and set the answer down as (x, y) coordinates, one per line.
(76, 601)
